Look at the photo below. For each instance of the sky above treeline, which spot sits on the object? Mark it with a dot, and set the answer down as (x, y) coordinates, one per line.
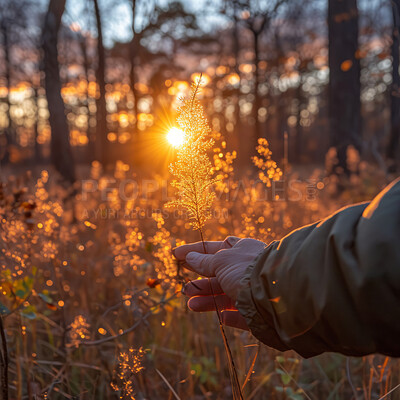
(117, 14)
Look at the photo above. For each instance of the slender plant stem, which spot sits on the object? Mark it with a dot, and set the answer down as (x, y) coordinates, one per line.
(4, 362)
(202, 241)
(250, 371)
(232, 367)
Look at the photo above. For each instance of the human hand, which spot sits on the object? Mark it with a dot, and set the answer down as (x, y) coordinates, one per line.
(225, 263)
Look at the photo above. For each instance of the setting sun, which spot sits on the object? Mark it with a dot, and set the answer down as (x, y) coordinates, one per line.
(175, 137)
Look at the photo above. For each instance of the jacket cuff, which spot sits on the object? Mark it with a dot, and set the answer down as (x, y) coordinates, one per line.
(261, 325)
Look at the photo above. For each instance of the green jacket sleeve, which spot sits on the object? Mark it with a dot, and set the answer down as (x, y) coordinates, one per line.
(331, 286)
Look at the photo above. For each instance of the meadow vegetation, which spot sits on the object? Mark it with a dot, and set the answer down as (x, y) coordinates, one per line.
(91, 295)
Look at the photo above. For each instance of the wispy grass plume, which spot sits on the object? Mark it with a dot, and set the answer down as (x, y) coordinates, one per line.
(194, 181)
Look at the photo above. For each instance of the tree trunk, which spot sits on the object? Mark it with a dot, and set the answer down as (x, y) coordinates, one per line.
(61, 154)
(299, 129)
(101, 110)
(257, 99)
(302, 105)
(240, 140)
(344, 81)
(393, 147)
(8, 131)
(91, 134)
(133, 48)
(7, 62)
(38, 156)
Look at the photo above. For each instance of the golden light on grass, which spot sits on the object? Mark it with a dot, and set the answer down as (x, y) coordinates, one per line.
(194, 182)
(176, 137)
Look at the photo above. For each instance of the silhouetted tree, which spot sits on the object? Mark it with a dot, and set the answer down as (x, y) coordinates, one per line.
(155, 41)
(86, 73)
(232, 9)
(4, 29)
(13, 16)
(133, 49)
(292, 35)
(393, 147)
(344, 81)
(61, 154)
(257, 20)
(101, 110)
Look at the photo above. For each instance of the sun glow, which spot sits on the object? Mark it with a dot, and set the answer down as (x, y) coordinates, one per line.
(175, 137)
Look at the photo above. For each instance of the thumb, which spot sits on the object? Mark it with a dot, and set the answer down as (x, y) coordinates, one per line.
(231, 240)
(201, 263)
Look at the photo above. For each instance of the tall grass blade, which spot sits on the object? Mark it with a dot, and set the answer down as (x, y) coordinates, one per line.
(168, 384)
(250, 371)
